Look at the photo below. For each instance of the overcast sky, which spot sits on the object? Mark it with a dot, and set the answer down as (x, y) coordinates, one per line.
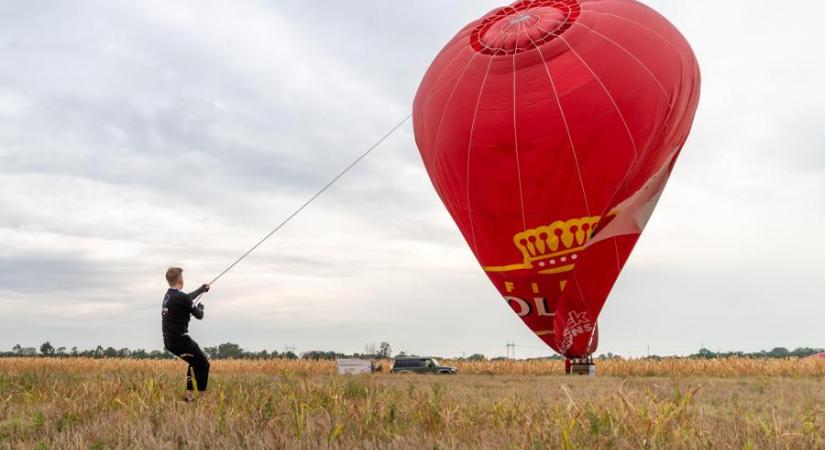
(139, 135)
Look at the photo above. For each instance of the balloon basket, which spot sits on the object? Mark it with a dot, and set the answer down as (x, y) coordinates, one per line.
(584, 366)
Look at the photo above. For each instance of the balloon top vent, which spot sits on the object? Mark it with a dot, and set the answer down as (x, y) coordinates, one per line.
(524, 25)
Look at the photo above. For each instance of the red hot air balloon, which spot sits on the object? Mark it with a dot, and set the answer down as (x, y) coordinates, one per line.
(549, 129)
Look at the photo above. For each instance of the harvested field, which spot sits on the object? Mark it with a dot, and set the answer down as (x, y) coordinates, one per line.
(111, 403)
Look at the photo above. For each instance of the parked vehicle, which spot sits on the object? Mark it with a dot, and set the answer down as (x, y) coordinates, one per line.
(421, 365)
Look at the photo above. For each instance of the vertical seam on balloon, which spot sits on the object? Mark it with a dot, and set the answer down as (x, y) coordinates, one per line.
(649, 30)
(640, 25)
(515, 135)
(566, 127)
(575, 275)
(444, 113)
(446, 69)
(647, 69)
(618, 258)
(470, 151)
(575, 158)
(609, 95)
(450, 98)
(591, 316)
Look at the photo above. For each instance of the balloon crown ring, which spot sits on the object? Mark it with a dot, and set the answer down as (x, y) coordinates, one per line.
(523, 26)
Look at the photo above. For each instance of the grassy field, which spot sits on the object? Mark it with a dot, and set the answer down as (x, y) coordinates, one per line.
(737, 404)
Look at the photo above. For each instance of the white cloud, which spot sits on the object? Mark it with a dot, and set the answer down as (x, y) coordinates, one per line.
(13, 103)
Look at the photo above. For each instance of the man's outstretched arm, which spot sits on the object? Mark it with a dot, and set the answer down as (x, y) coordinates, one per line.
(197, 292)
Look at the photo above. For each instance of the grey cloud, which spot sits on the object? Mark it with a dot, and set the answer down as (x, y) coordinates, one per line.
(54, 275)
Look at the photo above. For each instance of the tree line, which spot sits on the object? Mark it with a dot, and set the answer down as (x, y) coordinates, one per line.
(226, 350)
(383, 351)
(775, 353)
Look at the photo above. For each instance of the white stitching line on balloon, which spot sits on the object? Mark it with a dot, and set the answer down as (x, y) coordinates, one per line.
(437, 90)
(515, 135)
(649, 30)
(444, 114)
(644, 66)
(652, 31)
(609, 95)
(575, 156)
(590, 313)
(621, 116)
(470, 149)
(566, 127)
(626, 179)
(652, 75)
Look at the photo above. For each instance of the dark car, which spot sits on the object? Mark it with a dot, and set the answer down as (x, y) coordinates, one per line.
(421, 365)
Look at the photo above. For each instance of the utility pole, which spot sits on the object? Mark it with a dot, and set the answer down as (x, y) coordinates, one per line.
(511, 345)
(289, 348)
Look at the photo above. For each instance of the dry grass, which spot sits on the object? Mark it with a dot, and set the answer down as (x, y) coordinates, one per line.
(50, 403)
(670, 367)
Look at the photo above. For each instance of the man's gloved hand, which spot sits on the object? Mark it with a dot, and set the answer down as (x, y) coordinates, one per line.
(205, 288)
(197, 311)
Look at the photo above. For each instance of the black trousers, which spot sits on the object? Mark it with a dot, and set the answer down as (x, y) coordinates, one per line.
(197, 373)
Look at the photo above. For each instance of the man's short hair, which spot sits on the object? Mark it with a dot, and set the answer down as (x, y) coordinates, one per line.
(173, 274)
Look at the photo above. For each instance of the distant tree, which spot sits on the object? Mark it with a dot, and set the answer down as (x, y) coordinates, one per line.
(704, 354)
(477, 357)
(157, 354)
(319, 355)
(16, 348)
(229, 351)
(804, 352)
(61, 350)
(384, 350)
(74, 351)
(779, 352)
(289, 355)
(47, 349)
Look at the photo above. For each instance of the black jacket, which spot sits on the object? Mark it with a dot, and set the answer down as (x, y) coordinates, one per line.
(176, 310)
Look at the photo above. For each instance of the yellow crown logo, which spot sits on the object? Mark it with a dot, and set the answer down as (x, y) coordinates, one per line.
(553, 248)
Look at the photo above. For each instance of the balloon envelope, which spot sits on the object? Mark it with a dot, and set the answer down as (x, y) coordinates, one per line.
(549, 130)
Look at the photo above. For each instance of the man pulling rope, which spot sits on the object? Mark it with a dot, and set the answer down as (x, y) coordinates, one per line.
(176, 311)
(179, 306)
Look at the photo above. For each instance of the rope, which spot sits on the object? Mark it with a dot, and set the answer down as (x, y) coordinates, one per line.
(317, 194)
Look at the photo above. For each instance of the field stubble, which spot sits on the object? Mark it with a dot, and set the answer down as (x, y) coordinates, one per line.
(740, 403)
